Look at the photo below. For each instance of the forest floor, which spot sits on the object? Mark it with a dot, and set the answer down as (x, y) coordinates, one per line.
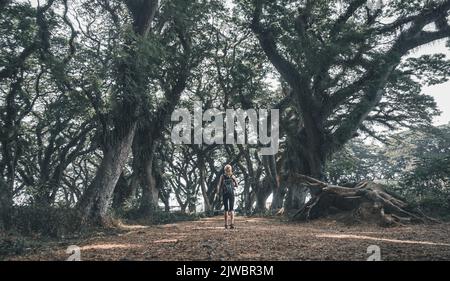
(254, 239)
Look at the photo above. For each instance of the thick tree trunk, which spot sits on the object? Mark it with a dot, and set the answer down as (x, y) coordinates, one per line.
(159, 183)
(260, 203)
(164, 192)
(143, 167)
(261, 199)
(296, 196)
(122, 193)
(272, 175)
(6, 201)
(247, 204)
(6, 204)
(278, 197)
(296, 192)
(150, 191)
(305, 155)
(208, 193)
(206, 202)
(95, 202)
(9, 157)
(216, 201)
(263, 192)
(132, 83)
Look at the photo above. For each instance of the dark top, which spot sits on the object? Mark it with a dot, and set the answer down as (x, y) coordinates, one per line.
(222, 182)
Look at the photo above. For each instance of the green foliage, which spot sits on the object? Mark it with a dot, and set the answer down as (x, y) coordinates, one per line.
(415, 164)
(429, 176)
(17, 26)
(428, 69)
(356, 162)
(436, 205)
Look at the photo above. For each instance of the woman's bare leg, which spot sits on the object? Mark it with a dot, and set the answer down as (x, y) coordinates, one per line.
(226, 218)
(232, 217)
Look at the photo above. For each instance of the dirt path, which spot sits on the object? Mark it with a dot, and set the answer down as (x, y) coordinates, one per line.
(259, 239)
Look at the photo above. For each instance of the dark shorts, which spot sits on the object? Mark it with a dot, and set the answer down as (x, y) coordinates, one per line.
(228, 202)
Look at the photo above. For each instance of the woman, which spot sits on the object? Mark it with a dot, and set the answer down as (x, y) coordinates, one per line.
(228, 184)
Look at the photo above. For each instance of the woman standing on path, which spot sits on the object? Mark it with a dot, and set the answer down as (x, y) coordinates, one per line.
(228, 184)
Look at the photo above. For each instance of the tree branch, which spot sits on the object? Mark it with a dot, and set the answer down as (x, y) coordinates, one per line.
(340, 22)
(287, 70)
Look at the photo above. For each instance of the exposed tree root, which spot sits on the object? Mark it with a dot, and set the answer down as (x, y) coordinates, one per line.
(367, 202)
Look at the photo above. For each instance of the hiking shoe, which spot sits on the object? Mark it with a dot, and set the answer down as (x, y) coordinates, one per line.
(231, 226)
(226, 226)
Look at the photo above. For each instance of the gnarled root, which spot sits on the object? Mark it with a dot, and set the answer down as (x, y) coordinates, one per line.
(367, 202)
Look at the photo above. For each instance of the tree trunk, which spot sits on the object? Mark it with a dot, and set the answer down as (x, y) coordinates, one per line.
(6, 200)
(246, 202)
(246, 194)
(278, 196)
(192, 207)
(180, 202)
(6, 204)
(9, 156)
(216, 201)
(122, 193)
(143, 167)
(166, 203)
(49, 185)
(261, 199)
(296, 196)
(304, 155)
(132, 85)
(278, 190)
(206, 202)
(263, 191)
(149, 199)
(95, 202)
(159, 183)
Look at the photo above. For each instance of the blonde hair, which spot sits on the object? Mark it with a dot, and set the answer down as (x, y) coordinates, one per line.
(228, 170)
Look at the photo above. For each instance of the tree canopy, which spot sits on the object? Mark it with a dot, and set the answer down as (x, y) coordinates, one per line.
(87, 89)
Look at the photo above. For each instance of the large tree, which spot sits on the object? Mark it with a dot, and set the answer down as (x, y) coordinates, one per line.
(344, 63)
(185, 31)
(131, 86)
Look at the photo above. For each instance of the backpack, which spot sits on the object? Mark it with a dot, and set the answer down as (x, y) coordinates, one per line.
(228, 184)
